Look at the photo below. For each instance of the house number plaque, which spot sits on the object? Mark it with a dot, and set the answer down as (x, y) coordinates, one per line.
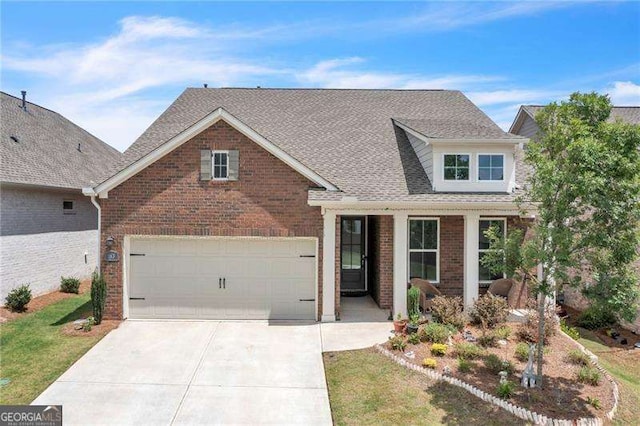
(111, 256)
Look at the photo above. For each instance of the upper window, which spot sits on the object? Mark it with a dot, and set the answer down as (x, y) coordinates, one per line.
(424, 249)
(67, 207)
(456, 167)
(483, 246)
(220, 165)
(490, 167)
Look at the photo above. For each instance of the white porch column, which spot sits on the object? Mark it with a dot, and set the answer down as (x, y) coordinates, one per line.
(329, 267)
(400, 262)
(471, 272)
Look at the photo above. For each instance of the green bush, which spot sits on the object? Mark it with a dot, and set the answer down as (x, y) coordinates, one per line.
(413, 302)
(578, 357)
(594, 402)
(464, 365)
(589, 375)
(448, 310)
(489, 311)
(397, 343)
(569, 331)
(413, 338)
(505, 390)
(438, 349)
(88, 324)
(467, 350)
(503, 332)
(435, 333)
(69, 285)
(18, 298)
(488, 340)
(593, 318)
(98, 296)
(496, 365)
(522, 352)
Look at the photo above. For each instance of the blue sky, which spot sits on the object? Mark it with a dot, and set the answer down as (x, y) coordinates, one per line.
(114, 67)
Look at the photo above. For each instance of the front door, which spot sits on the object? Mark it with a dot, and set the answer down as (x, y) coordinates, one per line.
(352, 254)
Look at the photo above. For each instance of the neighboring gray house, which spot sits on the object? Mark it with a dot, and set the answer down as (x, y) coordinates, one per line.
(47, 227)
(525, 125)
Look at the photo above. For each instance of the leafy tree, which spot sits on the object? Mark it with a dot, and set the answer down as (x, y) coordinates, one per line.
(584, 188)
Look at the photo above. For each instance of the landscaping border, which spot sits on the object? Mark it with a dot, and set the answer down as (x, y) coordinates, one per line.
(517, 411)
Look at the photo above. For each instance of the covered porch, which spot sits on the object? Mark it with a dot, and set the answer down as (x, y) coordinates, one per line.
(370, 255)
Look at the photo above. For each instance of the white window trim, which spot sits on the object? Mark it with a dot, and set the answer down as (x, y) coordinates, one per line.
(410, 250)
(504, 158)
(213, 164)
(444, 167)
(504, 229)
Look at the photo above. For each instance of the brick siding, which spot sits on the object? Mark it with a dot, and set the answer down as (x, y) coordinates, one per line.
(381, 260)
(168, 198)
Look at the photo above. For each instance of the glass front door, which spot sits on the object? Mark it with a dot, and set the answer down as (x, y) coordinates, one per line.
(352, 254)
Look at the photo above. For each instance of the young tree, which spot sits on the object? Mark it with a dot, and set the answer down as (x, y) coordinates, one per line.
(584, 189)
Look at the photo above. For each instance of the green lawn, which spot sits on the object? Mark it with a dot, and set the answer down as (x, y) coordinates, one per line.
(34, 351)
(365, 387)
(624, 367)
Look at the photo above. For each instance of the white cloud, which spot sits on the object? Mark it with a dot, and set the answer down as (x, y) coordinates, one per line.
(624, 93)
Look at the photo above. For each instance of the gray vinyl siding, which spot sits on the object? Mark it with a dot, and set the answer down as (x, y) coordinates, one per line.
(529, 128)
(424, 153)
(33, 210)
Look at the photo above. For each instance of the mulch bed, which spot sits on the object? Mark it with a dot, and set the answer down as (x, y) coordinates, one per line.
(562, 395)
(42, 301)
(97, 330)
(630, 336)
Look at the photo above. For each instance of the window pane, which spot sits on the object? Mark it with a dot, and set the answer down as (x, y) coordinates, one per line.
(223, 171)
(462, 174)
(484, 160)
(484, 173)
(423, 265)
(415, 234)
(216, 172)
(496, 160)
(223, 159)
(496, 173)
(463, 160)
(430, 236)
(449, 160)
(450, 173)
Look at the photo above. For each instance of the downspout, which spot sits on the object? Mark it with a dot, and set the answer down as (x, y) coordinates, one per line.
(89, 192)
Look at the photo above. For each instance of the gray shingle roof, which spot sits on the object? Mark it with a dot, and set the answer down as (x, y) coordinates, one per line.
(628, 114)
(346, 136)
(456, 127)
(46, 152)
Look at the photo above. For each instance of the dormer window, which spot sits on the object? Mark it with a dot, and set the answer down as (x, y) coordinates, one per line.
(491, 167)
(456, 167)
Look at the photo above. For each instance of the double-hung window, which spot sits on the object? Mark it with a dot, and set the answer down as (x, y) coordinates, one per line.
(424, 245)
(483, 246)
(456, 166)
(490, 167)
(220, 165)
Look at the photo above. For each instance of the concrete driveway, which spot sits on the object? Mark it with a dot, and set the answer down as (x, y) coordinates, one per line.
(197, 372)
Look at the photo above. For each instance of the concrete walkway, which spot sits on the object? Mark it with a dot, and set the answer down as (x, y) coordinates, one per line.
(209, 372)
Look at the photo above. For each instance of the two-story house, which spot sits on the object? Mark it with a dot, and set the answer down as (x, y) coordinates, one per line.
(272, 203)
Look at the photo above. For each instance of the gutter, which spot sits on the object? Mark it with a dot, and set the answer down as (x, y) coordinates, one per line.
(89, 192)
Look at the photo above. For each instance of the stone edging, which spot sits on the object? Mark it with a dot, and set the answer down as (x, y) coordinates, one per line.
(594, 360)
(517, 411)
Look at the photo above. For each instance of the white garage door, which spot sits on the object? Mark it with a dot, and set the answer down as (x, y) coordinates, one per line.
(243, 278)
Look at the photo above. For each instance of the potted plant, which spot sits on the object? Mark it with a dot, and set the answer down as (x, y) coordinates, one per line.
(414, 321)
(399, 324)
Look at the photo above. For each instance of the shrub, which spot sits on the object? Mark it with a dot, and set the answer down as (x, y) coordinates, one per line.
(397, 343)
(448, 311)
(488, 340)
(436, 333)
(413, 338)
(578, 357)
(503, 332)
(88, 324)
(522, 352)
(438, 349)
(505, 390)
(569, 331)
(98, 296)
(496, 365)
(467, 350)
(589, 375)
(529, 330)
(413, 302)
(594, 402)
(489, 311)
(18, 298)
(593, 318)
(464, 365)
(429, 363)
(69, 285)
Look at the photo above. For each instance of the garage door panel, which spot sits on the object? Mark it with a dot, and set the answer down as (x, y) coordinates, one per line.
(265, 278)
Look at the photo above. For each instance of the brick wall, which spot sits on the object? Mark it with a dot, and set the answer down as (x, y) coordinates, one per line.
(167, 198)
(381, 260)
(451, 255)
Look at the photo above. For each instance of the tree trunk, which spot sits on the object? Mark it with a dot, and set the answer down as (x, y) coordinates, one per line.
(541, 315)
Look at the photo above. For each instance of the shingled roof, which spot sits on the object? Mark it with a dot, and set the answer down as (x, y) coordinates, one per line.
(40, 147)
(346, 136)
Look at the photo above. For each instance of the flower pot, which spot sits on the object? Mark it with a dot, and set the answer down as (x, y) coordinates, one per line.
(399, 325)
(412, 328)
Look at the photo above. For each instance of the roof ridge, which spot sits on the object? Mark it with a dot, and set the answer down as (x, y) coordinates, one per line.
(325, 89)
